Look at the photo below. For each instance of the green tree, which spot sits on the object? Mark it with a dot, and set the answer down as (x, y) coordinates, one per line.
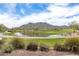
(2, 28)
(74, 25)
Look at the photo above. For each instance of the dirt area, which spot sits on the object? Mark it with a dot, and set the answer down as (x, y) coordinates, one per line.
(37, 53)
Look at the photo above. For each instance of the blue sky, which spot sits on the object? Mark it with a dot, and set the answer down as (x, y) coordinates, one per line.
(17, 14)
(23, 9)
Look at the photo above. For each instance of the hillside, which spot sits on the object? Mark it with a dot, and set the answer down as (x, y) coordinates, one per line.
(39, 28)
(40, 25)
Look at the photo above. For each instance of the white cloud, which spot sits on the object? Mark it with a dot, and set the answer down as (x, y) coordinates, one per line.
(59, 11)
(61, 4)
(8, 20)
(54, 16)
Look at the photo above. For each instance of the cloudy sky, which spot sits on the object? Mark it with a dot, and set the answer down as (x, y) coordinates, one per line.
(17, 14)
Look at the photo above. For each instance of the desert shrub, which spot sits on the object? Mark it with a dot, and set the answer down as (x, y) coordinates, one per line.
(18, 43)
(8, 49)
(59, 47)
(44, 47)
(32, 46)
(1, 42)
(72, 44)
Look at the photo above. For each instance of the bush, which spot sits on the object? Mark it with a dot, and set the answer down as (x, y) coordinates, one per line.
(8, 49)
(44, 48)
(1, 42)
(72, 44)
(59, 47)
(32, 46)
(18, 43)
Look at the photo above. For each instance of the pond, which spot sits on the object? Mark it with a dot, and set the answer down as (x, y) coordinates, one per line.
(48, 36)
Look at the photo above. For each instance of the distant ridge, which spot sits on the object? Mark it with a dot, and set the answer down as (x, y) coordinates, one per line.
(40, 25)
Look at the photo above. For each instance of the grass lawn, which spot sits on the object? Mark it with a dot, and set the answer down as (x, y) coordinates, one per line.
(49, 32)
(49, 42)
(43, 32)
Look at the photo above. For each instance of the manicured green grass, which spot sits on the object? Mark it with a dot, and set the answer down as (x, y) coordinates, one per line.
(49, 32)
(42, 32)
(49, 42)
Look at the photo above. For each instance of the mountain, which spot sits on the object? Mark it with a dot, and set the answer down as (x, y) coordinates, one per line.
(29, 26)
(32, 28)
(40, 25)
